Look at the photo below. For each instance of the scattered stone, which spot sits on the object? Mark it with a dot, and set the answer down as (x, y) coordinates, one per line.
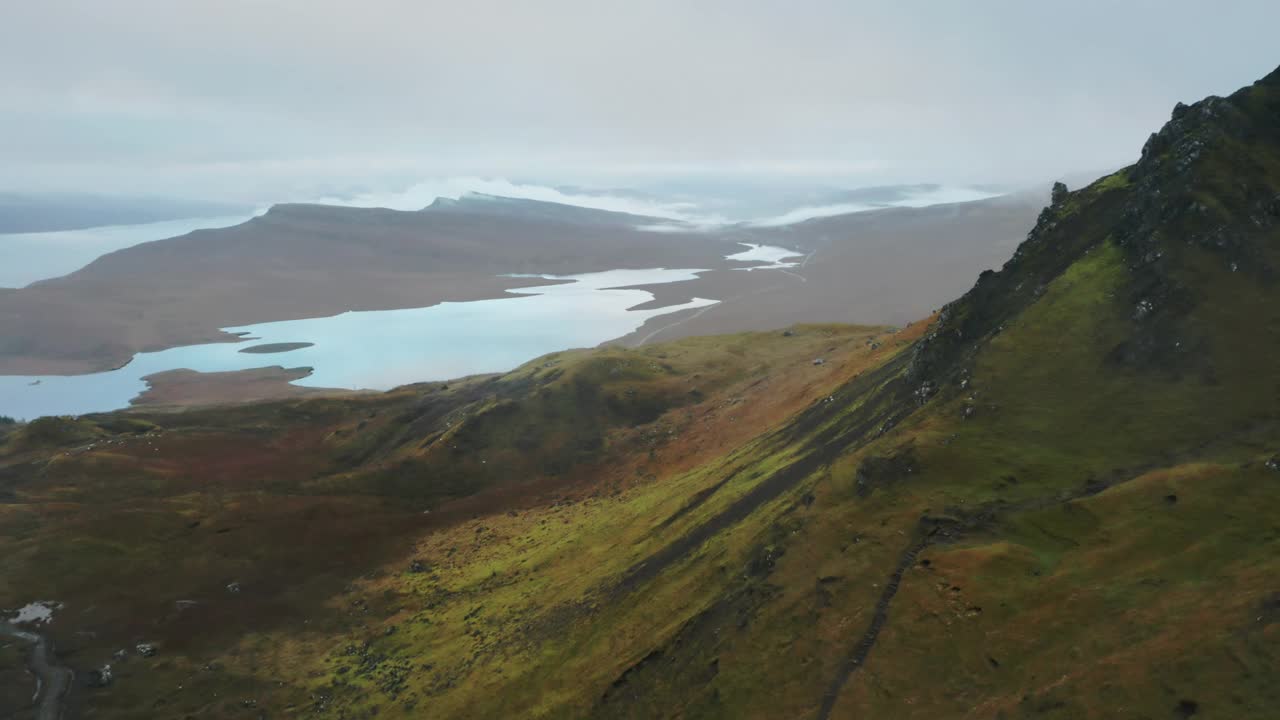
(101, 677)
(968, 412)
(926, 390)
(787, 333)
(1273, 463)
(120, 655)
(145, 649)
(819, 361)
(417, 566)
(233, 587)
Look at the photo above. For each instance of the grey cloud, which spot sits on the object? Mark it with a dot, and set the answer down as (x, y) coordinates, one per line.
(281, 97)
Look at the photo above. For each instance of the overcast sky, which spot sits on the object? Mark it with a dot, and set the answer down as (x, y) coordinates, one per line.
(267, 100)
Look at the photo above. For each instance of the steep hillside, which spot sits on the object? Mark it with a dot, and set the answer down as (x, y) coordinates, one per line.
(1055, 499)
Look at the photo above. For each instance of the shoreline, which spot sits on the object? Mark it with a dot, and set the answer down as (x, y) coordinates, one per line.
(458, 287)
(199, 378)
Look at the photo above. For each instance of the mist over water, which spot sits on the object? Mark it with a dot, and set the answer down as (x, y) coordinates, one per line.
(933, 196)
(420, 195)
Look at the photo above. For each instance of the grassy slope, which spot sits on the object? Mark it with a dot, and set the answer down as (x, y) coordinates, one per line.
(302, 502)
(1113, 550)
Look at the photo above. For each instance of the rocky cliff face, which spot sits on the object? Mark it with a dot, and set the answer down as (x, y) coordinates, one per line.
(1205, 191)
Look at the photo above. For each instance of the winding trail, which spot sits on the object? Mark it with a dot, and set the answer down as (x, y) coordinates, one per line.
(701, 310)
(53, 680)
(937, 531)
(726, 301)
(668, 326)
(858, 655)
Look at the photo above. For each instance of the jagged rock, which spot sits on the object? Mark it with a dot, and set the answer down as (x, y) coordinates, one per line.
(787, 333)
(145, 649)
(818, 361)
(1058, 193)
(120, 655)
(102, 677)
(1273, 463)
(233, 587)
(926, 390)
(417, 566)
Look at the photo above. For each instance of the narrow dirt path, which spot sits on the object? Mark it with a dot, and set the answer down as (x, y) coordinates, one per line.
(54, 680)
(859, 654)
(932, 532)
(668, 326)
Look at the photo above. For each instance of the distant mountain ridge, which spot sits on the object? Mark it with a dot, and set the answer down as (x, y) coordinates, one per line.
(484, 204)
(472, 203)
